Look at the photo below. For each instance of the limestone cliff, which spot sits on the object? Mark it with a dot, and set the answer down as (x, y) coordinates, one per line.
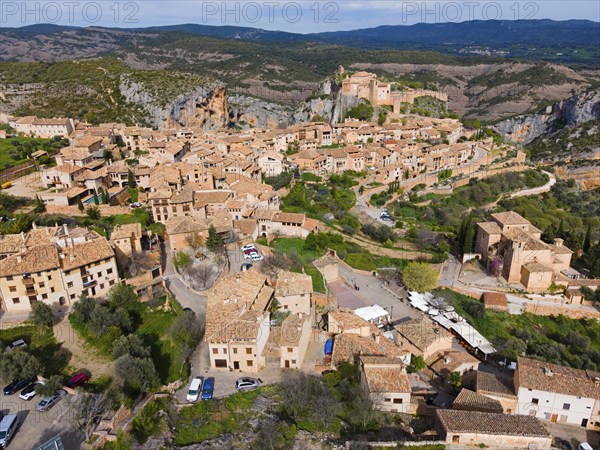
(203, 106)
(569, 112)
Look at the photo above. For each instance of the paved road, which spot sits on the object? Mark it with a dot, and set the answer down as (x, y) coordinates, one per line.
(537, 190)
(371, 291)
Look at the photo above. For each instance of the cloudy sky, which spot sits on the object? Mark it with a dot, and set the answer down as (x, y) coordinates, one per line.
(294, 16)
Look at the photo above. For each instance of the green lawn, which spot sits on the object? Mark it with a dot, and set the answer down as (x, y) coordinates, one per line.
(42, 344)
(289, 246)
(317, 278)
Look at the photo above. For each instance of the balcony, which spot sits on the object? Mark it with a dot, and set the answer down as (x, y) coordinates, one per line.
(87, 284)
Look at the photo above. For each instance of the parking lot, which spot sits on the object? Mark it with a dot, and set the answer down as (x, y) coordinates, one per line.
(37, 427)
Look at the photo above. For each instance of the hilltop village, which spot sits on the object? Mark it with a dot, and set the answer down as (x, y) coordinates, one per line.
(217, 230)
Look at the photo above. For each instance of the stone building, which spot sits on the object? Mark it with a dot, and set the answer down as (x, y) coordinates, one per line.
(512, 243)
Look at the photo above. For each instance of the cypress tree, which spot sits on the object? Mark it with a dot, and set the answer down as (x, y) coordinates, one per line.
(96, 201)
(587, 243)
(79, 204)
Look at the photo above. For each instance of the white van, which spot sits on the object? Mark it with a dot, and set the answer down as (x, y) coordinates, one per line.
(195, 389)
(584, 446)
(8, 428)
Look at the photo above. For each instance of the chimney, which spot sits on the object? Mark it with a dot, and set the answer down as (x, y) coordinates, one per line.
(447, 360)
(558, 242)
(23, 236)
(33, 225)
(66, 229)
(19, 258)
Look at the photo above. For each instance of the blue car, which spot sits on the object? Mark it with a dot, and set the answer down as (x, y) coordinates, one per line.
(209, 387)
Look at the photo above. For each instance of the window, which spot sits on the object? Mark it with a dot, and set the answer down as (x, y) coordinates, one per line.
(290, 349)
(397, 400)
(235, 351)
(248, 350)
(535, 401)
(109, 271)
(44, 296)
(225, 350)
(9, 278)
(49, 277)
(12, 288)
(249, 363)
(72, 296)
(70, 284)
(215, 351)
(42, 284)
(389, 400)
(16, 301)
(293, 361)
(566, 406)
(51, 289)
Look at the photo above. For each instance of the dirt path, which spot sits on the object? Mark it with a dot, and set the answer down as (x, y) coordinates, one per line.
(82, 355)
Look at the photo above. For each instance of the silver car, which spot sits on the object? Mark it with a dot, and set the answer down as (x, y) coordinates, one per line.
(48, 402)
(247, 384)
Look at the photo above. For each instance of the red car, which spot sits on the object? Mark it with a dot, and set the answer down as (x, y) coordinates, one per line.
(78, 379)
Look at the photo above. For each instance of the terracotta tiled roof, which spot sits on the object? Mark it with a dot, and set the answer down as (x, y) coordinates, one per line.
(347, 346)
(472, 401)
(449, 361)
(490, 423)
(86, 253)
(536, 267)
(185, 224)
(490, 227)
(494, 299)
(494, 384)
(126, 231)
(384, 374)
(422, 333)
(237, 306)
(290, 283)
(208, 197)
(543, 376)
(33, 260)
(510, 218)
(347, 320)
(289, 217)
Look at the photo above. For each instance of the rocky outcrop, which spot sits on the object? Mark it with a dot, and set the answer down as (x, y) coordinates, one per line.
(205, 106)
(211, 107)
(569, 112)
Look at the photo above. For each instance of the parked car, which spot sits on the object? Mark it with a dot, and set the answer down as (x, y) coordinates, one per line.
(247, 384)
(246, 266)
(48, 402)
(19, 343)
(194, 389)
(17, 385)
(250, 251)
(209, 387)
(250, 255)
(29, 392)
(385, 216)
(8, 428)
(79, 378)
(248, 247)
(584, 446)
(256, 257)
(135, 205)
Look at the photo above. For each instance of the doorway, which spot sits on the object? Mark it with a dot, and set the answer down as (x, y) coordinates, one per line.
(236, 365)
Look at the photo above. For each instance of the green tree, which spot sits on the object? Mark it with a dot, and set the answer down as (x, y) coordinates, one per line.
(214, 242)
(469, 236)
(96, 200)
(587, 243)
(131, 179)
(124, 441)
(41, 314)
(362, 111)
(93, 212)
(136, 374)
(417, 363)
(107, 154)
(122, 295)
(79, 204)
(182, 260)
(39, 205)
(130, 345)
(50, 386)
(420, 277)
(455, 380)
(82, 310)
(17, 364)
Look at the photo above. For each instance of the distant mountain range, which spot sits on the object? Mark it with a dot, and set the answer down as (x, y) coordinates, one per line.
(477, 32)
